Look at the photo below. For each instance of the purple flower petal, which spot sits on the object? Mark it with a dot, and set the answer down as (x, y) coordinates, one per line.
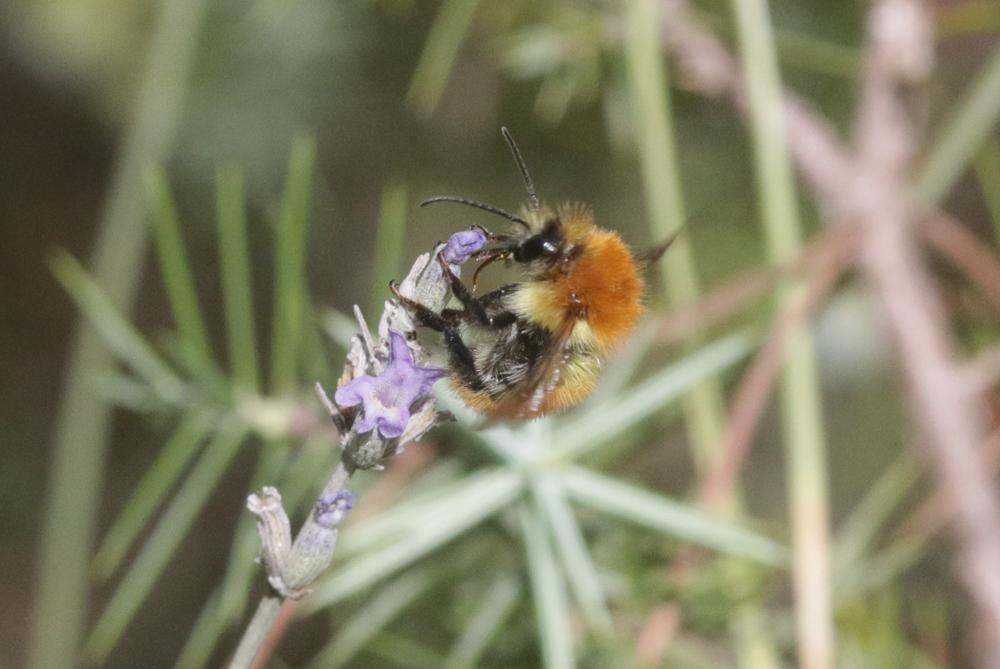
(365, 422)
(425, 378)
(461, 245)
(399, 352)
(386, 399)
(330, 509)
(392, 424)
(355, 392)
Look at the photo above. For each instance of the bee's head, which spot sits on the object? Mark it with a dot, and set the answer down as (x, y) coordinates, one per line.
(544, 239)
(544, 242)
(553, 237)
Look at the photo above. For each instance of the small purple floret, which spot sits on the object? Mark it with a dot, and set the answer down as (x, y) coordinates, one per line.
(330, 509)
(461, 245)
(386, 399)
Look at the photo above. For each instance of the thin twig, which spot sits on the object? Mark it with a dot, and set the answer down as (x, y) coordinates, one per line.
(267, 613)
(282, 621)
(868, 186)
(756, 385)
(963, 250)
(658, 631)
(385, 491)
(941, 401)
(741, 291)
(932, 515)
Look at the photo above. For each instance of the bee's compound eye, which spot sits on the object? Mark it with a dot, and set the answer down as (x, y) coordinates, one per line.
(534, 248)
(546, 244)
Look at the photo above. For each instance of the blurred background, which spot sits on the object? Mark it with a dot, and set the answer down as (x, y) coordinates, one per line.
(400, 100)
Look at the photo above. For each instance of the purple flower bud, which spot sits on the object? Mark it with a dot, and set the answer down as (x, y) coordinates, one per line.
(386, 399)
(330, 509)
(461, 245)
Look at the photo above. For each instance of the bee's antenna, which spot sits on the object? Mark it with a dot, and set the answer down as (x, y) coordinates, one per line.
(478, 205)
(651, 255)
(528, 183)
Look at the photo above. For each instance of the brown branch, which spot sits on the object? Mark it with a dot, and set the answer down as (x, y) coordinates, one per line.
(739, 292)
(286, 614)
(758, 382)
(658, 631)
(932, 515)
(941, 401)
(867, 185)
(966, 253)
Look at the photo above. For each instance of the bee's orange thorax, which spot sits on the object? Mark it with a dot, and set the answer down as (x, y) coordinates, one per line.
(604, 279)
(607, 281)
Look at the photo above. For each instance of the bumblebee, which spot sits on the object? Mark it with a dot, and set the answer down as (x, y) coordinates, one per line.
(536, 347)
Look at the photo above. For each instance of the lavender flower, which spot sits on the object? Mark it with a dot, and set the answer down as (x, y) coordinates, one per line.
(330, 508)
(461, 245)
(386, 399)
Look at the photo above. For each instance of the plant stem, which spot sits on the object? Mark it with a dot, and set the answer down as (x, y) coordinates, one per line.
(703, 406)
(970, 122)
(257, 630)
(801, 416)
(260, 625)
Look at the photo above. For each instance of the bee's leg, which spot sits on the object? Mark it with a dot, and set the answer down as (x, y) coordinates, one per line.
(447, 324)
(424, 314)
(475, 308)
(494, 298)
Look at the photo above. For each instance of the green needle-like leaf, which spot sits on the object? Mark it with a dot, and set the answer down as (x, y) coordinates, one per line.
(237, 283)
(125, 390)
(425, 535)
(869, 516)
(548, 589)
(162, 543)
(228, 601)
(987, 167)
(587, 430)
(204, 634)
(572, 550)
(882, 567)
(118, 334)
(289, 267)
(661, 173)
(377, 612)
(81, 427)
(803, 433)
(440, 50)
(665, 515)
(161, 476)
(485, 623)
(174, 266)
(406, 652)
(962, 133)
(388, 242)
(401, 518)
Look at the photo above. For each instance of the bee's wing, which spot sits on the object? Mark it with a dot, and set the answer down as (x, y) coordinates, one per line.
(526, 397)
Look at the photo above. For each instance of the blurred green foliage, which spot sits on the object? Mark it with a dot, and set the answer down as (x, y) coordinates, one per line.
(546, 543)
